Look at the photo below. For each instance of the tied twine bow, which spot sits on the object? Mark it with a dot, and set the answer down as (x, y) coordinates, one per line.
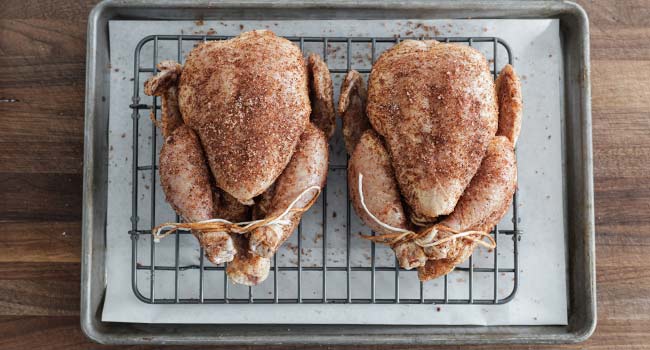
(424, 238)
(222, 225)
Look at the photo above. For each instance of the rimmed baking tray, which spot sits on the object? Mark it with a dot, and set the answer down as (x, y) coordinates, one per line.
(578, 173)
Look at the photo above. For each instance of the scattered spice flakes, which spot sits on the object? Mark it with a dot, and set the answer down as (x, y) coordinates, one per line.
(333, 49)
(334, 212)
(199, 22)
(211, 31)
(146, 187)
(110, 148)
(485, 29)
(241, 27)
(427, 29)
(123, 135)
(409, 33)
(438, 309)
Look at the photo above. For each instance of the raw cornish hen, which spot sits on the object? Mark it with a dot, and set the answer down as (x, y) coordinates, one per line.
(437, 143)
(238, 140)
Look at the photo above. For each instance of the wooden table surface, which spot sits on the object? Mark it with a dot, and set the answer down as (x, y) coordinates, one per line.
(42, 72)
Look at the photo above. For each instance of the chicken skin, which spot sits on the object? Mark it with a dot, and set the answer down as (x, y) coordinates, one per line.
(435, 106)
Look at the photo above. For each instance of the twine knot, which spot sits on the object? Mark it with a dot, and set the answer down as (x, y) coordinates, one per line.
(222, 225)
(426, 237)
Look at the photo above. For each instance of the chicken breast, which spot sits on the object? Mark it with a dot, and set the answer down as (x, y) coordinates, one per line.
(435, 106)
(247, 98)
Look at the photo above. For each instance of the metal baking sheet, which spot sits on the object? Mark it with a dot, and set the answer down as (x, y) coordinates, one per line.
(534, 49)
(575, 132)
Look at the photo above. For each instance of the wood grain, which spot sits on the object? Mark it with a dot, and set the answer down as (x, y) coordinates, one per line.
(42, 62)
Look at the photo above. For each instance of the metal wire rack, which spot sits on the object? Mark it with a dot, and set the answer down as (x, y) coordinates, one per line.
(298, 269)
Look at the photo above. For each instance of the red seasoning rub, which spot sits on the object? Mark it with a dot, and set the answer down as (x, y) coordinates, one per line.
(435, 106)
(248, 100)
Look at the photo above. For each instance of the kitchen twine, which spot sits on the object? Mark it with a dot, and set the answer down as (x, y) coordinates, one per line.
(222, 225)
(423, 238)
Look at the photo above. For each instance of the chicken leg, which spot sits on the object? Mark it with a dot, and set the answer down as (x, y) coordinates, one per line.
(307, 168)
(490, 193)
(184, 174)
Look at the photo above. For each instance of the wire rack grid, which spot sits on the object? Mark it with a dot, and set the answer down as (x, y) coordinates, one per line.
(297, 269)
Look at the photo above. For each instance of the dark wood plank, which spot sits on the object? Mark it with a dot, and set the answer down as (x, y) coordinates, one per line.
(40, 197)
(38, 289)
(42, 72)
(619, 29)
(40, 242)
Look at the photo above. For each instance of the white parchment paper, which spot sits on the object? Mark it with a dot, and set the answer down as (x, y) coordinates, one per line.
(541, 296)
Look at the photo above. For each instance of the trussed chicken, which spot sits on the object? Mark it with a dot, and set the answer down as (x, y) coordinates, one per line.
(236, 122)
(430, 152)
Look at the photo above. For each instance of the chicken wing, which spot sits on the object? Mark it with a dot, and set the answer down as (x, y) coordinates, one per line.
(322, 95)
(510, 104)
(352, 109)
(165, 85)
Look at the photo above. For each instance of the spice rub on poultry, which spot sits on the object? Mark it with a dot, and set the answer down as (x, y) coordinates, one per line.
(432, 167)
(246, 123)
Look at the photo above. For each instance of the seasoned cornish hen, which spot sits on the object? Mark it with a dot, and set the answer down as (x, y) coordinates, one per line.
(238, 140)
(443, 152)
